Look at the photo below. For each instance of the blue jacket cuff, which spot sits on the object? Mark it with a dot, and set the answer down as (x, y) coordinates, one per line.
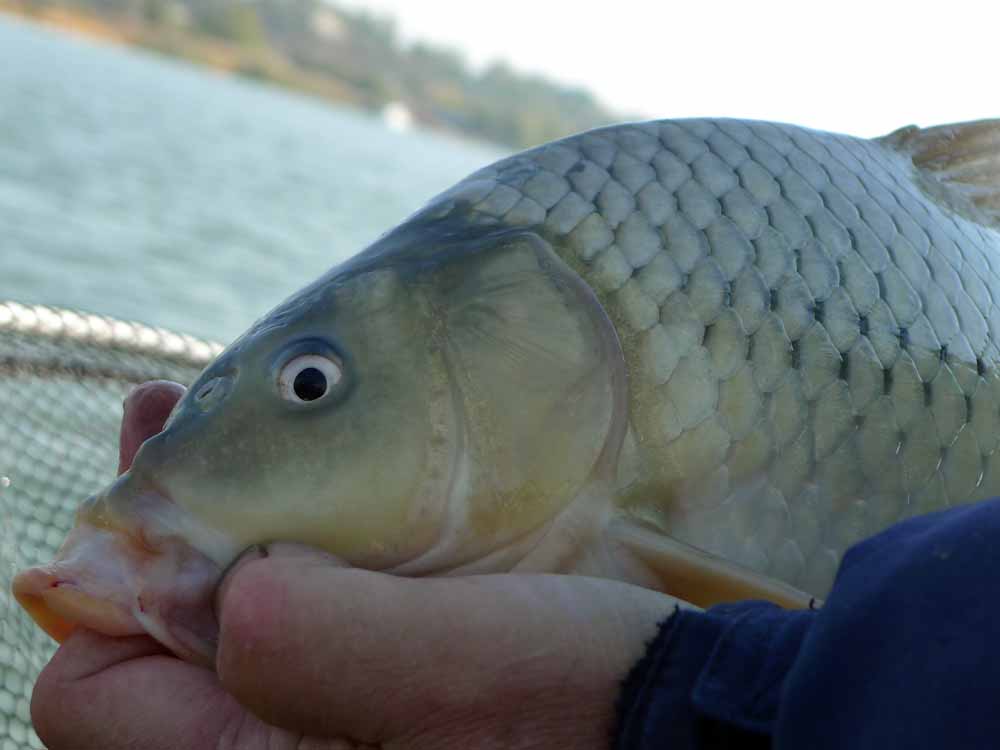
(711, 678)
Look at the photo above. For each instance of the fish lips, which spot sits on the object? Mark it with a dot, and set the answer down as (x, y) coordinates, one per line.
(111, 580)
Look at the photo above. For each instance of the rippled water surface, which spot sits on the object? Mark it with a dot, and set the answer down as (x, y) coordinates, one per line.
(152, 190)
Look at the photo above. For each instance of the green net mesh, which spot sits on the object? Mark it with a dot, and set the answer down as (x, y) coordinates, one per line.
(63, 375)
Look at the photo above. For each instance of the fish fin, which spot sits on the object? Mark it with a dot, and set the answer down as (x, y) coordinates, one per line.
(965, 156)
(699, 577)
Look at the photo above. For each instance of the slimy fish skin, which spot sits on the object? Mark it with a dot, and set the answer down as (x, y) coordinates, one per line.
(703, 356)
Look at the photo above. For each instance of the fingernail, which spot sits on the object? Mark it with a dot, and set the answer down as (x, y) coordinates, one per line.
(251, 553)
(285, 550)
(294, 549)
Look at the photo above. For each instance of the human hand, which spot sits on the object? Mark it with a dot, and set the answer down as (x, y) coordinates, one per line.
(313, 655)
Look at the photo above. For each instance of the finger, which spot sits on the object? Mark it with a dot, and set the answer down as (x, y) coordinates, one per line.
(374, 658)
(111, 693)
(285, 550)
(89, 653)
(146, 409)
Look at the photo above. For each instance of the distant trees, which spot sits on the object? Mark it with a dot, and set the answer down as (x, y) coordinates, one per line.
(165, 13)
(234, 21)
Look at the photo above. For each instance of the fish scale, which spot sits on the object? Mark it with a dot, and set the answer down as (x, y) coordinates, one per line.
(818, 332)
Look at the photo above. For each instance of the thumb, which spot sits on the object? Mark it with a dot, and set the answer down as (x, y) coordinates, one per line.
(146, 408)
(331, 651)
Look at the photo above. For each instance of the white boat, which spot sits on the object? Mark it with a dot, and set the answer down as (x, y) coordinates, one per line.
(397, 116)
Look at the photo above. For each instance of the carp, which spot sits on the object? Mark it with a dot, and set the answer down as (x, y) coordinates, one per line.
(702, 356)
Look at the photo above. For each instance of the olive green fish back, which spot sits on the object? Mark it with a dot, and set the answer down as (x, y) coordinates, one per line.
(63, 376)
(809, 321)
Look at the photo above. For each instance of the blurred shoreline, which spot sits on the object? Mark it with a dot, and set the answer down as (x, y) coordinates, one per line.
(218, 55)
(346, 57)
(73, 22)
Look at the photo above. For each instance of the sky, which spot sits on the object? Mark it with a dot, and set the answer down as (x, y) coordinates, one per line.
(864, 68)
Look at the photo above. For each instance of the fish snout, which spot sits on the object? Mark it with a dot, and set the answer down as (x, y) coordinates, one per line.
(109, 579)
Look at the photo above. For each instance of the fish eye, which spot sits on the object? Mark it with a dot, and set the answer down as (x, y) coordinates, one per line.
(308, 377)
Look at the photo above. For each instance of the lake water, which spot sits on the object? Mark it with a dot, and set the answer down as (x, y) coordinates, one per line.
(148, 189)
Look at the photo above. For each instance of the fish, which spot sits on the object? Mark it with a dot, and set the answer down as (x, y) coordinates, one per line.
(704, 356)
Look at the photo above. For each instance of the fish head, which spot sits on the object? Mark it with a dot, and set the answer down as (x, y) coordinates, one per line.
(418, 410)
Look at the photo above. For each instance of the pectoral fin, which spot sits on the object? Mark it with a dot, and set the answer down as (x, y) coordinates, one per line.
(697, 576)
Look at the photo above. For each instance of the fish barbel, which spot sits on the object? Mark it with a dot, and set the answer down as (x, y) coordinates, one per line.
(704, 356)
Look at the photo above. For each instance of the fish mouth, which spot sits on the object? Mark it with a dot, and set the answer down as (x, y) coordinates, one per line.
(105, 579)
(58, 605)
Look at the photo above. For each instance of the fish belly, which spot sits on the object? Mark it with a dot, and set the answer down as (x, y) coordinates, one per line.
(808, 323)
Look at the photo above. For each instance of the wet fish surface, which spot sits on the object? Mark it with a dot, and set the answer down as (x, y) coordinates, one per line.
(705, 356)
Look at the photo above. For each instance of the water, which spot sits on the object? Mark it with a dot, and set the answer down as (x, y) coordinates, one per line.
(149, 189)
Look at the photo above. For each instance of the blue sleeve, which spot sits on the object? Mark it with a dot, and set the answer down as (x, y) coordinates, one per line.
(901, 654)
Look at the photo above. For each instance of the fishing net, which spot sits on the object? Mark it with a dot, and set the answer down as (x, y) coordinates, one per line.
(63, 375)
